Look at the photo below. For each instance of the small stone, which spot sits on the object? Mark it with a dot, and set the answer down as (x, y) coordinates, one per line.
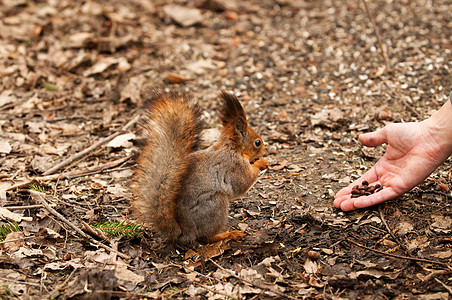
(384, 115)
(442, 187)
(231, 15)
(221, 64)
(223, 72)
(269, 85)
(300, 90)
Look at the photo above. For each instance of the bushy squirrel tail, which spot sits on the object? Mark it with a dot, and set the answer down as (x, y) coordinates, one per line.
(173, 130)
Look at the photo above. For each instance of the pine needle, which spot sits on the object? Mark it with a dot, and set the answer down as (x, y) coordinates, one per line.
(37, 188)
(120, 229)
(7, 228)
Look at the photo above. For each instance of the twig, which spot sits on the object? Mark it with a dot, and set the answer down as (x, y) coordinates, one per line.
(121, 293)
(103, 171)
(448, 288)
(20, 282)
(404, 101)
(252, 283)
(436, 273)
(38, 196)
(23, 207)
(397, 256)
(393, 235)
(91, 148)
(377, 34)
(382, 217)
(434, 192)
(410, 107)
(70, 175)
(53, 294)
(19, 239)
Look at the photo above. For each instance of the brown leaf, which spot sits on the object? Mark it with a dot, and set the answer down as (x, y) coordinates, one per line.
(441, 223)
(182, 15)
(176, 78)
(13, 241)
(443, 254)
(311, 267)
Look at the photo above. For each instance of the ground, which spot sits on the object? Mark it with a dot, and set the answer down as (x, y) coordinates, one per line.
(311, 75)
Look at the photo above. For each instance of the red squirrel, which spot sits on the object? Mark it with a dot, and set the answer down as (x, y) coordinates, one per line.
(182, 191)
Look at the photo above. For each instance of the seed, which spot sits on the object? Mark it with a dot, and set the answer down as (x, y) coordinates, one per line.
(365, 189)
(372, 188)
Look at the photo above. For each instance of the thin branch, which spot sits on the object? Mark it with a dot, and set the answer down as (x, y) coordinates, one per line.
(20, 282)
(103, 171)
(56, 291)
(448, 288)
(382, 217)
(23, 207)
(397, 256)
(436, 273)
(19, 239)
(38, 196)
(70, 175)
(377, 34)
(91, 148)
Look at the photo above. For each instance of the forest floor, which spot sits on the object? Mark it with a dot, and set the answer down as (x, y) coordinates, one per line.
(311, 77)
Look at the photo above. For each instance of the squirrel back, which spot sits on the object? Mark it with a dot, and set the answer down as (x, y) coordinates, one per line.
(172, 130)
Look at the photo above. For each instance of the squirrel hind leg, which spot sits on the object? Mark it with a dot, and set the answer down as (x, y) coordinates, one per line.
(186, 238)
(232, 235)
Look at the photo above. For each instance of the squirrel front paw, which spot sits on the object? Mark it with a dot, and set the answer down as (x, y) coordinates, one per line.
(261, 163)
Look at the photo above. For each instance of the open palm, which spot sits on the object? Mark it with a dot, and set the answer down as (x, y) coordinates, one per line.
(411, 156)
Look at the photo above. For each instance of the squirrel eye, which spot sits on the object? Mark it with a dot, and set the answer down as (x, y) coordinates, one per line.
(258, 143)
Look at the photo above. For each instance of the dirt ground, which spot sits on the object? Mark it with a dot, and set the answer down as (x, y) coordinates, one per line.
(311, 76)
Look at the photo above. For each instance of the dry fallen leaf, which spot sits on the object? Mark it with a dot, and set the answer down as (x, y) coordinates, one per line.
(122, 140)
(5, 146)
(176, 78)
(442, 254)
(13, 241)
(311, 267)
(9, 215)
(441, 223)
(403, 228)
(182, 15)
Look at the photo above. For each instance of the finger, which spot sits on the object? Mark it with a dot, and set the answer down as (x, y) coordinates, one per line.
(373, 139)
(341, 198)
(367, 201)
(344, 192)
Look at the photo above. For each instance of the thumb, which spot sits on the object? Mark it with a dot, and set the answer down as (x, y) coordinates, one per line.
(373, 139)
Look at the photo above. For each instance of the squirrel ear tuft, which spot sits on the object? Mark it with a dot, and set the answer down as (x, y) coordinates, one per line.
(240, 126)
(232, 113)
(231, 110)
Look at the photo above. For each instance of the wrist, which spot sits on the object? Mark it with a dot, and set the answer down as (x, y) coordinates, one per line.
(439, 127)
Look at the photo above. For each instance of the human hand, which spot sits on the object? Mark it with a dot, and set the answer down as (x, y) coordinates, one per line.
(414, 151)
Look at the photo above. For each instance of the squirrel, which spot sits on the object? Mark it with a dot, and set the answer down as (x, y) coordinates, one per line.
(183, 191)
